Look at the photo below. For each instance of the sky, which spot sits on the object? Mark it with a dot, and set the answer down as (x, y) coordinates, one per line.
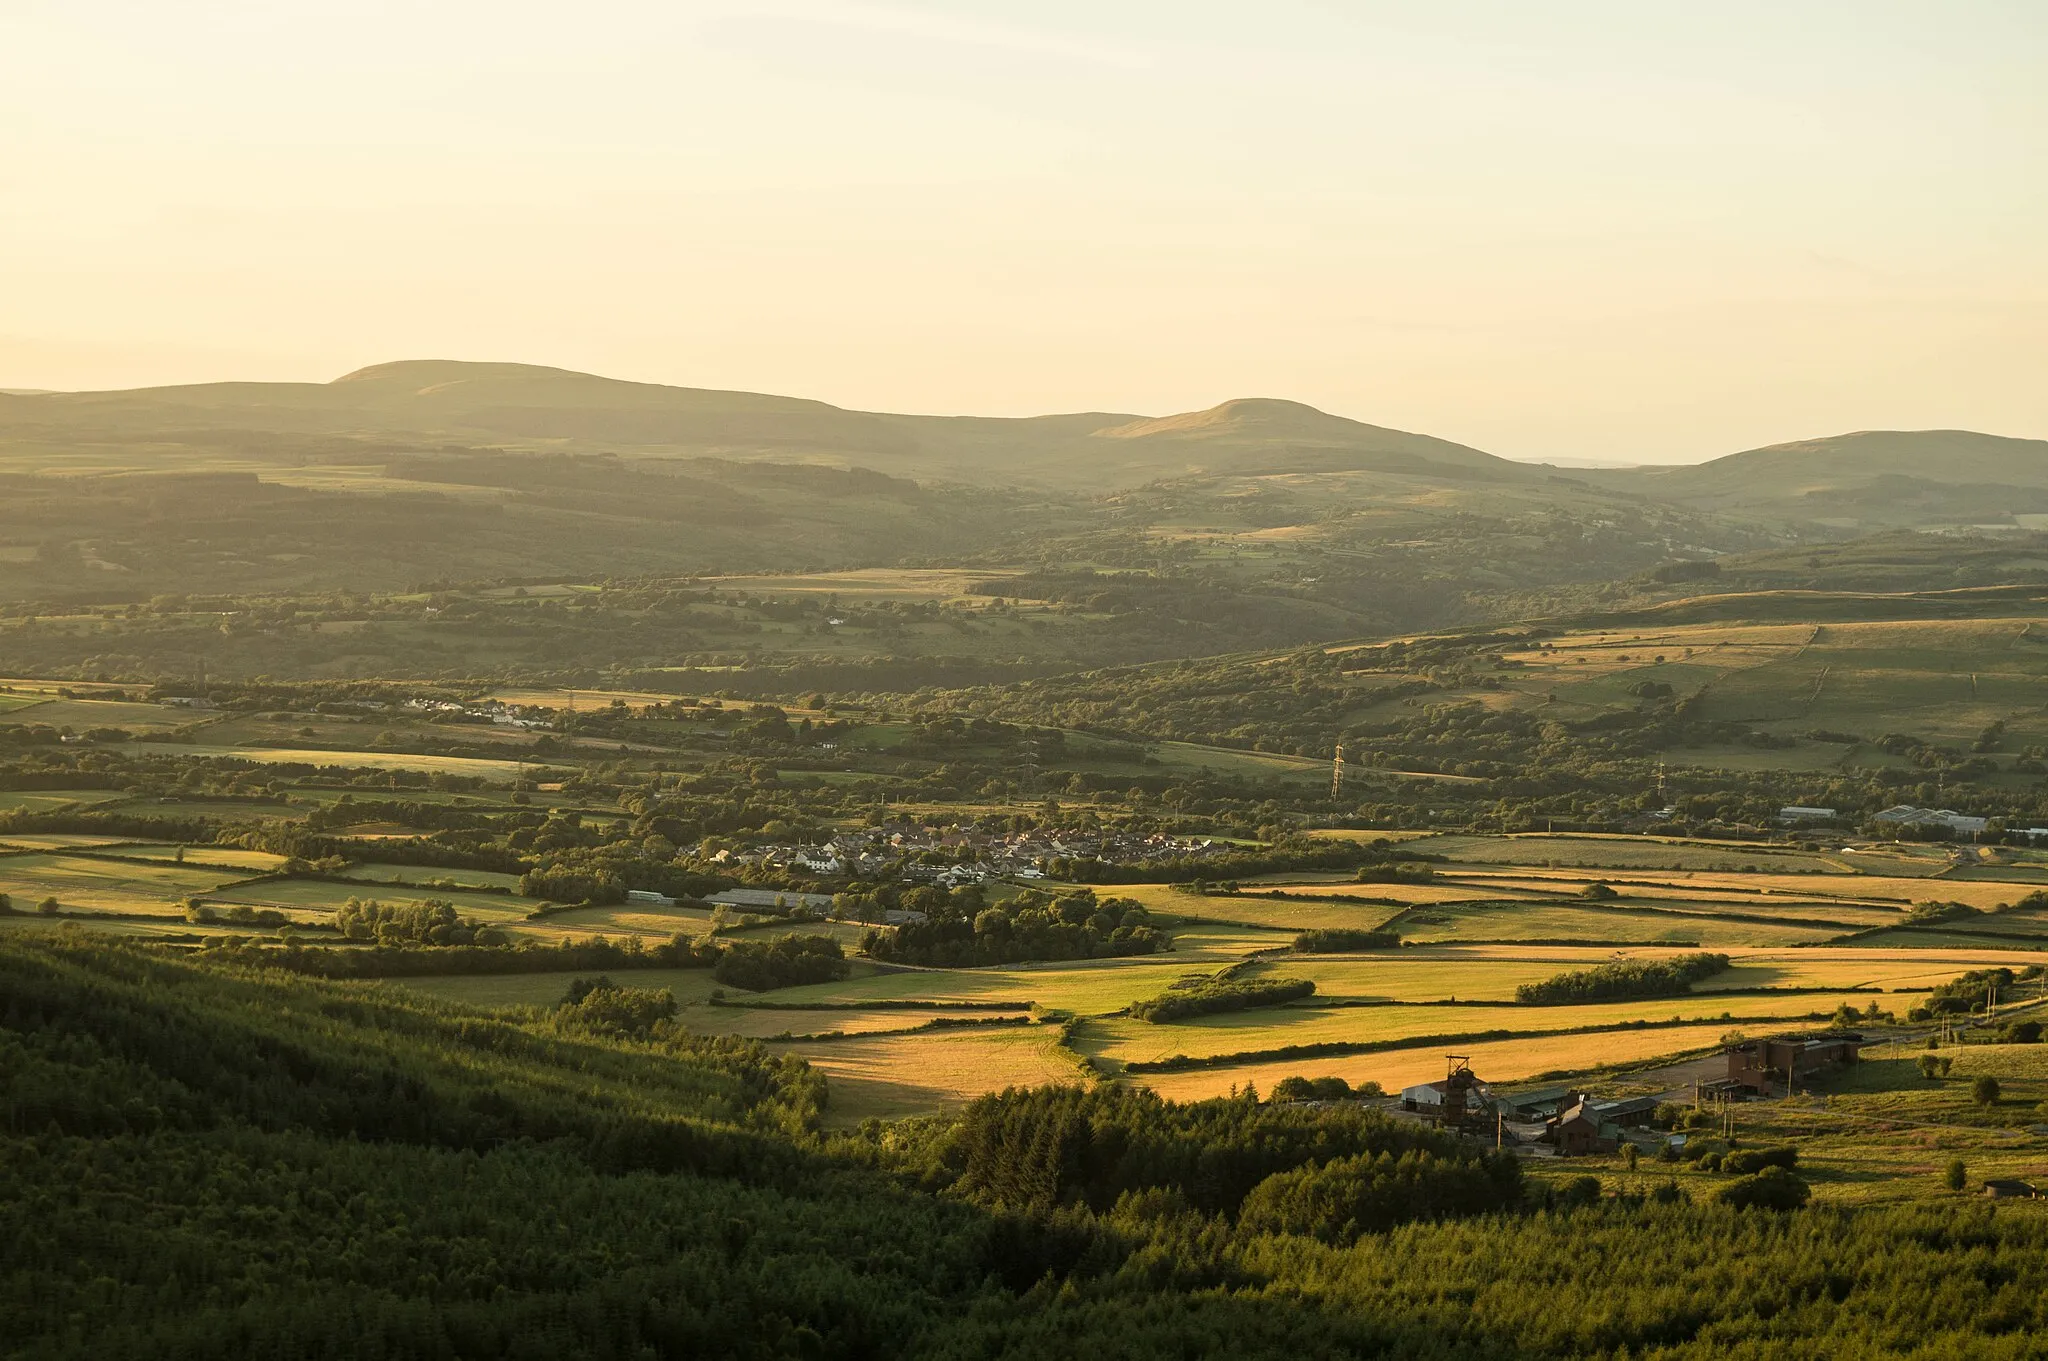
(1634, 231)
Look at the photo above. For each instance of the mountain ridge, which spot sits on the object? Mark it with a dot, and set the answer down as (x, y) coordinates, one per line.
(1878, 476)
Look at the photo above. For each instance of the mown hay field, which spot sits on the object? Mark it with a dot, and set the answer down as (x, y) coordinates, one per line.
(1492, 972)
(766, 1023)
(61, 841)
(347, 760)
(1122, 1040)
(1496, 1061)
(896, 1075)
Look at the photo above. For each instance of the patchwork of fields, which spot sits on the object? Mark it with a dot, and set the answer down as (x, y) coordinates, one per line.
(1805, 936)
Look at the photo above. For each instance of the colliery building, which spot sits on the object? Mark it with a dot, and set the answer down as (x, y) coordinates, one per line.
(1782, 1063)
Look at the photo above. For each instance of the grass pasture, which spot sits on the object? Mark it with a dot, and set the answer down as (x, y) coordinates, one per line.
(324, 896)
(40, 800)
(1290, 916)
(83, 714)
(95, 885)
(420, 874)
(1622, 852)
(1448, 922)
(230, 857)
(687, 986)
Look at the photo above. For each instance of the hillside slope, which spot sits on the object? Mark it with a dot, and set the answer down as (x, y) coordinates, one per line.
(1869, 477)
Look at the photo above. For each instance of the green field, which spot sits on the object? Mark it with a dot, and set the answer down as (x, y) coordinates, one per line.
(1620, 852)
(38, 800)
(101, 885)
(323, 896)
(546, 989)
(422, 874)
(83, 714)
(1448, 922)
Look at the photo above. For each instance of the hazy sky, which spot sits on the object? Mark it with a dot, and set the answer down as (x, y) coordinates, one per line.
(1560, 229)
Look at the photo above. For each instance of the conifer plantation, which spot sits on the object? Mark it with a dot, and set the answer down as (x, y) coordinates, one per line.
(213, 1160)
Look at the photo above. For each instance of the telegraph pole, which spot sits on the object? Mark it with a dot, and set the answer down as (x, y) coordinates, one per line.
(1337, 773)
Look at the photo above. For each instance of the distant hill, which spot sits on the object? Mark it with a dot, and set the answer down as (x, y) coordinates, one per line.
(1870, 477)
(1264, 434)
(432, 402)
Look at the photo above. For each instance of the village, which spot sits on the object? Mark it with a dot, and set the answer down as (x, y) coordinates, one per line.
(950, 857)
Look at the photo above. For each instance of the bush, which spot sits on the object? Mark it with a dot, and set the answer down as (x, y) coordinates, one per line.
(1957, 1176)
(1625, 981)
(1402, 872)
(2023, 1032)
(1207, 996)
(1599, 892)
(49, 907)
(1314, 1089)
(604, 1008)
(1579, 1191)
(1339, 1200)
(1774, 1188)
(758, 966)
(961, 930)
(1746, 1161)
(429, 922)
(1984, 1091)
(1339, 941)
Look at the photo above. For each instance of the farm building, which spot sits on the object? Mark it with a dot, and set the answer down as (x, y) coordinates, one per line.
(1774, 1066)
(768, 897)
(1906, 815)
(1797, 813)
(2002, 1188)
(649, 897)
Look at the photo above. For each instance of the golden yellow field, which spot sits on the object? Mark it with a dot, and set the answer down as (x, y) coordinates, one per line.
(893, 1075)
(766, 1023)
(1120, 1040)
(1496, 1061)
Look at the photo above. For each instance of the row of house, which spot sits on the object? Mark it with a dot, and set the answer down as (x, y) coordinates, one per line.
(975, 856)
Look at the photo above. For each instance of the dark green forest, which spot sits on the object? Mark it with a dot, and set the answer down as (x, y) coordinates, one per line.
(213, 1161)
